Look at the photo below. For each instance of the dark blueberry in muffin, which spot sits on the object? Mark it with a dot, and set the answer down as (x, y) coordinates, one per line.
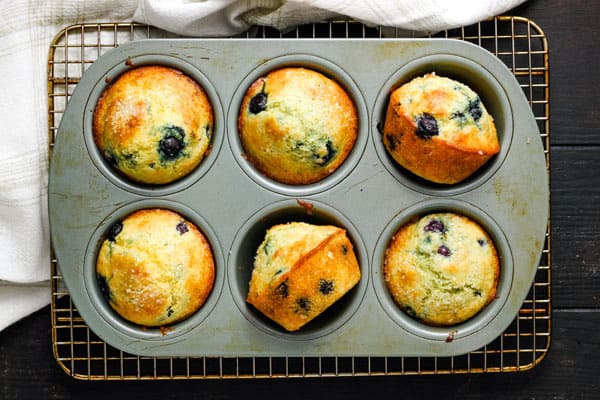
(182, 227)
(392, 141)
(282, 289)
(114, 231)
(258, 103)
(111, 158)
(171, 144)
(435, 225)
(344, 249)
(445, 251)
(325, 286)
(324, 159)
(304, 303)
(427, 126)
(475, 109)
(103, 285)
(482, 242)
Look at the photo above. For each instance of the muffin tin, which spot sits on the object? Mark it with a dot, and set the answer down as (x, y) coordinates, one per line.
(369, 195)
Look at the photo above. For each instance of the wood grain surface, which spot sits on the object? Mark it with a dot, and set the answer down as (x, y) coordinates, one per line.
(571, 369)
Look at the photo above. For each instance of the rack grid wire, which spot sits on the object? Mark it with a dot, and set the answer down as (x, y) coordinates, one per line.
(517, 41)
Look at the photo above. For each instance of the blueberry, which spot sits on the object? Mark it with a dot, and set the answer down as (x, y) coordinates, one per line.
(114, 231)
(392, 141)
(282, 289)
(171, 144)
(475, 109)
(435, 225)
(103, 285)
(325, 286)
(303, 303)
(111, 158)
(344, 249)
(427, 126)
(258, 103)
(445, 251)
(327, 157)
(481, 242)
(182, 227)
(169, 311)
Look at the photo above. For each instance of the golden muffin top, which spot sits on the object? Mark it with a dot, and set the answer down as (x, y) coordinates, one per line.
(154, 124)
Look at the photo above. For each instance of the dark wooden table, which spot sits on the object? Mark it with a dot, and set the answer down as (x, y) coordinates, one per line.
(571, 370)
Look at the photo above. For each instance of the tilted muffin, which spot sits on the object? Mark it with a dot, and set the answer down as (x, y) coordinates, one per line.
(300, 270)
(296, 125)
(441, 269)
(439, 129)
(155, 268)
(154, 124)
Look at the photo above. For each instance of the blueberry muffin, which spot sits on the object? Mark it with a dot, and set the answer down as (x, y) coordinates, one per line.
(296, 125)
(154, 124)
(300, 270)
(439, 129)
(155, 268)
(441, 269)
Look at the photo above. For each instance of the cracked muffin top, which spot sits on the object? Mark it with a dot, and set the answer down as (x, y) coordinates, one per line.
(153, 124)
(439, 129)
(441, 269)
(296, 125)
(155, 268)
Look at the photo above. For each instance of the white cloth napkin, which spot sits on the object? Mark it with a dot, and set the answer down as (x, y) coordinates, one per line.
(26, 30)
(229, 17)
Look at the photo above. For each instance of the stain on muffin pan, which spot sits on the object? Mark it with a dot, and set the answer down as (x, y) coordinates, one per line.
(368, 195)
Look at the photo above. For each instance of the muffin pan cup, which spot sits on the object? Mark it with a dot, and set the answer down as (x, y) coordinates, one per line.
(368, 195)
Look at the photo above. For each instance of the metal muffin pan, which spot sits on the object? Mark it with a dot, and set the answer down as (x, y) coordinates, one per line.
(369, 195)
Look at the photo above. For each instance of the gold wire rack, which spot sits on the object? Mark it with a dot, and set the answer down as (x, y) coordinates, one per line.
(516, 41)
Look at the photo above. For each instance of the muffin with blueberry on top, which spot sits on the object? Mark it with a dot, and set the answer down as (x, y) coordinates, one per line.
(441, 269)
(155, 268)
(154, 124)
(296, 125)
(439, 129)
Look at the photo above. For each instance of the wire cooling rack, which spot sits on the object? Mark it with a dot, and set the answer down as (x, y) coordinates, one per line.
(516, 41)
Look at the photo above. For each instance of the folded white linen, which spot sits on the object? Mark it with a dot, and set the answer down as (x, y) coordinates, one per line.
(17, 301)
(230, 17)
(26, 30)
